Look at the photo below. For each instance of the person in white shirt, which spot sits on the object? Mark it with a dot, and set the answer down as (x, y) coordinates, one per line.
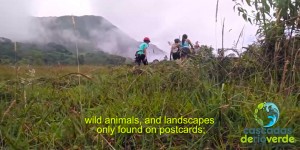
(175, 50)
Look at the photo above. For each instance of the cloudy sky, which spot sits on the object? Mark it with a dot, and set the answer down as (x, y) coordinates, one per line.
(161, 20)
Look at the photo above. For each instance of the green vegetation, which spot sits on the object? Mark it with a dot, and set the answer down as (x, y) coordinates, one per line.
(46, 108)
(43, 107)
(52, 54)
(279, 26)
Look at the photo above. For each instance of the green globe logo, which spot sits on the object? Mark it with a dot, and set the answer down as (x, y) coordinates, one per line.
(266, 114)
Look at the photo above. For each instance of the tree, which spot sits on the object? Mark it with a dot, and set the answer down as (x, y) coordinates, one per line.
(205, 51)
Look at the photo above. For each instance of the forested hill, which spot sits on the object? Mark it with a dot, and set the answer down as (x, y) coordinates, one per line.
(91, 33)
(51, 54)
(53, 41)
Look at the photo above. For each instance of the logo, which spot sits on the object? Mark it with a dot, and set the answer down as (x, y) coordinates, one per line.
(266, 114)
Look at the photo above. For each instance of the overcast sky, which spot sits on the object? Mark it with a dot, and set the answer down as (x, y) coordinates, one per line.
(161, 20)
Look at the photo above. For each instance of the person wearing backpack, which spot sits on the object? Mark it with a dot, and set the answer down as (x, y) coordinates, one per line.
(175, 50)
(185, 47)
(141, 54)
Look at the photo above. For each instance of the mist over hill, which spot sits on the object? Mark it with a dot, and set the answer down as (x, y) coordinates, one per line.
(52, 54)
(53, 40)
(92, 33)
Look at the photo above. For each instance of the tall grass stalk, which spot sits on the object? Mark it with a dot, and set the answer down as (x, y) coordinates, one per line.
(217, 9)
(223, 26)
(76, 46)
(77, 58)
(16, 69)
(216, 18)
(8, 109)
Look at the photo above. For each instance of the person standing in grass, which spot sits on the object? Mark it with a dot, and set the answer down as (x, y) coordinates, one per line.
(175, 50)
(197, 48)
(186, 44)
(141, 54)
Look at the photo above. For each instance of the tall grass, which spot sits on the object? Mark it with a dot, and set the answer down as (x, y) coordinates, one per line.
(54, 115)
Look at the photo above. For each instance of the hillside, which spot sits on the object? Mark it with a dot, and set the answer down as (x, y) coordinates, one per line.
(53, 41)
(92, 33)
(51, 54)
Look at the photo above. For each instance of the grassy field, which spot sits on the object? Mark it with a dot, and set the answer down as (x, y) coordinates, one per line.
(44, 107)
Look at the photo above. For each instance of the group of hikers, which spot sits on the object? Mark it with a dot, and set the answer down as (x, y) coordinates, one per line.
(179, 50)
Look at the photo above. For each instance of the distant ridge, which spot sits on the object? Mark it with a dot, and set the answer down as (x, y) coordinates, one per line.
(92, 33)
